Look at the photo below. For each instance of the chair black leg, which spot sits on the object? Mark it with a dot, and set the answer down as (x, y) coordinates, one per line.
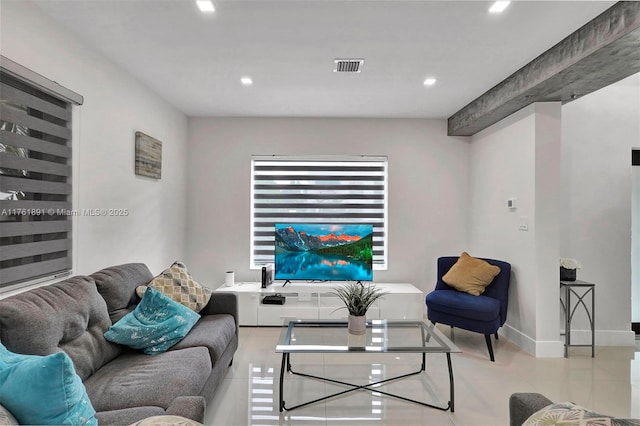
(496, 335)
(487, 338)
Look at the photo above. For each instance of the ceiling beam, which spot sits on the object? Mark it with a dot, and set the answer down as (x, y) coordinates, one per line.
(603, 51)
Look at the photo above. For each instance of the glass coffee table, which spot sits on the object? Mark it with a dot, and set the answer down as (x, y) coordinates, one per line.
(382, 336)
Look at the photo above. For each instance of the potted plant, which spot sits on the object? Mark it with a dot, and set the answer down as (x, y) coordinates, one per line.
(568, 269)
(357, 299)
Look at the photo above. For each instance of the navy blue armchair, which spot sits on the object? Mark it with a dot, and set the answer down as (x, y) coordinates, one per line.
(481, 314)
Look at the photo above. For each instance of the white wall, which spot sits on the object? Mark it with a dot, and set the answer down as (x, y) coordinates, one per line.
(116, 106)
(598, 132)
(573, 184)
(428, 187)
(519, 158)
(502, 167)
(635, 245)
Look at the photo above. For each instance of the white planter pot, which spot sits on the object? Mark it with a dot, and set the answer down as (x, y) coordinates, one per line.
(357, 325)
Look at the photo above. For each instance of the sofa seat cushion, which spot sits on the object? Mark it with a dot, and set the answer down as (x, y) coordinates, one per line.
(480, 308)
(214, 332)
(137, 380)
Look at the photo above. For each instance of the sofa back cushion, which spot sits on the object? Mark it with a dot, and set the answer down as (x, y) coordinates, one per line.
(69, 315)
(117, 285)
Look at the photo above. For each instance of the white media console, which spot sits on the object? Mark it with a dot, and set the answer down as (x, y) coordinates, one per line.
(314, 301)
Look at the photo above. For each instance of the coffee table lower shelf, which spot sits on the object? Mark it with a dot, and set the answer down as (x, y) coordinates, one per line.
(286, 367)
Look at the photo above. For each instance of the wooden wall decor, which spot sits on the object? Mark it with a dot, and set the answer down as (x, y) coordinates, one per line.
(148, 156)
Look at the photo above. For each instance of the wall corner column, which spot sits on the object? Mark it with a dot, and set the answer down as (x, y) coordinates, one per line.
(547, 231)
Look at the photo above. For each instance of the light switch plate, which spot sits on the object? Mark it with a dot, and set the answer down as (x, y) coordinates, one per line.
(524, 223)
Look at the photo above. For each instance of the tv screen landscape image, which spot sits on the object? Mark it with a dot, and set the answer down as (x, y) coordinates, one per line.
(323, 252)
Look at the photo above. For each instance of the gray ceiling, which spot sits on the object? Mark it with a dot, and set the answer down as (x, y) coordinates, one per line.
(195, 61)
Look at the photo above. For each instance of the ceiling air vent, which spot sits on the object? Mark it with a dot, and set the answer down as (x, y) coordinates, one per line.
(347, 65)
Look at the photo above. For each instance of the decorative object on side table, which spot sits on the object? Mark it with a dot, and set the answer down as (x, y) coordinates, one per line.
(568, 268)
(229, 278)
(357, 299)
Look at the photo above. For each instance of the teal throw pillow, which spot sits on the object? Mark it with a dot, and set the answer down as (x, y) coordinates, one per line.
(156, 324)
(43, 390)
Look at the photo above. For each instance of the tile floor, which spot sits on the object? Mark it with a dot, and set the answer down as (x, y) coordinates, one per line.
(608, 383)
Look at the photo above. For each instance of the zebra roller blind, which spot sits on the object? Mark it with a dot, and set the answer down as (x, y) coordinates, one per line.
(35, 182)
(319, 190)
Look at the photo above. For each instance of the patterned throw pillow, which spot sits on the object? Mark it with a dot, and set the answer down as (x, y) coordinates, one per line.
(167, 420)
(156, 324)
(176, 282)
(569, 414)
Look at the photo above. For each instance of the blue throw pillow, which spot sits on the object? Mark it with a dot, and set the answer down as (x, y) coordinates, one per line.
(43, 390)
(156, 324)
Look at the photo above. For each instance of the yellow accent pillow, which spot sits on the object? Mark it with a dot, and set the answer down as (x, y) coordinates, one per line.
(471, 275)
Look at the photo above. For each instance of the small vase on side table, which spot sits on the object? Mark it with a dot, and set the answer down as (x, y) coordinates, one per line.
(567, 274)
(357, 324)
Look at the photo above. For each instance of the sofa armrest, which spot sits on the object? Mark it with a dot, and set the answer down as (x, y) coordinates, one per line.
(222, 303)
(191, 407)
(523, 405)
(127, 416)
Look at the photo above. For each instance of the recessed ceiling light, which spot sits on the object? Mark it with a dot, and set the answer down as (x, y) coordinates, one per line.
(246, 81)
(205, 6)
(499, 6)
(430, 81)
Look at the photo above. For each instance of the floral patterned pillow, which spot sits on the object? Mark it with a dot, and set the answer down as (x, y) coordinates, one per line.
(167, 420)
(6, 419)
(156, 324)
(569, 414)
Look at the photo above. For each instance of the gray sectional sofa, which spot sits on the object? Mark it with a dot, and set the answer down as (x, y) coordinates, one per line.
(124, 385)
(523, 405)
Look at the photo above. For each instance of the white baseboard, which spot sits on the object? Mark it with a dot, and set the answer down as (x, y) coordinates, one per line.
(525, 342)
(539, 349)
(555, 348)
(603, 337)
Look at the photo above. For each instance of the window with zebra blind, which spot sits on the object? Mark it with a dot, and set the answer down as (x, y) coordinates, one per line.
(35, 176)
(319, 190)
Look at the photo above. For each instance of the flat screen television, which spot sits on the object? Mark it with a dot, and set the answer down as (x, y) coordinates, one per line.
(323, 252)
